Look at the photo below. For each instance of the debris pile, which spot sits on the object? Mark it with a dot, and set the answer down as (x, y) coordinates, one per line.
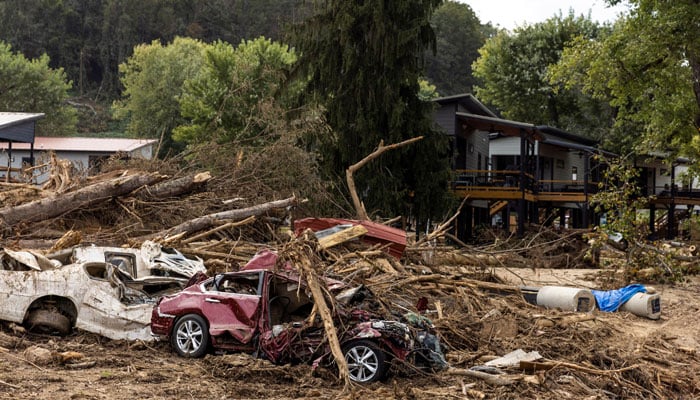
(497, 344)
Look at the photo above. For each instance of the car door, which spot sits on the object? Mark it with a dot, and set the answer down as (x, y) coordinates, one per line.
(233, 309)
(101, 309)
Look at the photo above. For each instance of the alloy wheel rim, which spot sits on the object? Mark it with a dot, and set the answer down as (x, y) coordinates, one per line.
(362, 363)
(189, 337)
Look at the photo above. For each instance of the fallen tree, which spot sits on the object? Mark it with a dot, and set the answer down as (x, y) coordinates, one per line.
(211, 220)
(50, 207)
(174, 187)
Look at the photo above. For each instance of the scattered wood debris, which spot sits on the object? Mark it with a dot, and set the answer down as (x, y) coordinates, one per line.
(478, 317)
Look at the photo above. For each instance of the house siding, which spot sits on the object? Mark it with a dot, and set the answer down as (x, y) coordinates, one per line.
(445, 118)
(480, 140)
(505, 146)
(79, 159)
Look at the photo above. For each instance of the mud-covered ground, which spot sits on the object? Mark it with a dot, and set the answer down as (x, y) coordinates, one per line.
(662, 357)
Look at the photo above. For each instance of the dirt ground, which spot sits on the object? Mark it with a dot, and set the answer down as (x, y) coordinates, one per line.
(87, 366)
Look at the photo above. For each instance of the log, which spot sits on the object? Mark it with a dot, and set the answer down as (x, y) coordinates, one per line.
(219, 229)
(174, 187)
(550, 364)
(211, 220)
(454, 282)
(303, 263)
(54, 206)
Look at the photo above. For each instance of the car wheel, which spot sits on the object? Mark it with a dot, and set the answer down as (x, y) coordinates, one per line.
(190, 336)
(366, 361)
(48, 321)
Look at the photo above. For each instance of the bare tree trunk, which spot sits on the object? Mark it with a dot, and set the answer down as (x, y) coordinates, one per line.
(175, 187)
(208, 221)
(359, 207)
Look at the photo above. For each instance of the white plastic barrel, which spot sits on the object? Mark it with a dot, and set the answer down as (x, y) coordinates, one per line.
(644, 305)
(566, 298)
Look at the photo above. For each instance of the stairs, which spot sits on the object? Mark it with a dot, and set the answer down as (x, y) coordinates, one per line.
(497, 206)
(661, 222)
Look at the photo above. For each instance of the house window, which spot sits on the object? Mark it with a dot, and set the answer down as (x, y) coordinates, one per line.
(95, 163)
(27, 162)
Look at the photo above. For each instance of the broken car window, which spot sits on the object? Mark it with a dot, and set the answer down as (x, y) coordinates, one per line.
(235, 284)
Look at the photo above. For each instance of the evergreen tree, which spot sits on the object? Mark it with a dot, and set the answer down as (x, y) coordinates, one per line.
(363, 60)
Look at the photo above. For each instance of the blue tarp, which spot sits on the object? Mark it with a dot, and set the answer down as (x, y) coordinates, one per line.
(611, 300)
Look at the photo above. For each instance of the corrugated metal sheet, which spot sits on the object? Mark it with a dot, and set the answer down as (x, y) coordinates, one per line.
(18, 127)
(376, 233)
(107, 145)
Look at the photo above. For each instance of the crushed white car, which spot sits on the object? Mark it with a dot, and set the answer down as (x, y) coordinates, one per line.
(151, 260)
(105, 290)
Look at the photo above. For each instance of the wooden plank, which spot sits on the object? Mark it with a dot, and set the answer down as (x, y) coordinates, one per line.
(342, 236)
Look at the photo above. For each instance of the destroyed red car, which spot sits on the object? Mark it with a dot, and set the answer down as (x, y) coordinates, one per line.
(269, 314)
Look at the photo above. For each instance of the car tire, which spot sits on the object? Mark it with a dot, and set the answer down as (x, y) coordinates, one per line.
(366, 361)
(190, 337)
(48, 321)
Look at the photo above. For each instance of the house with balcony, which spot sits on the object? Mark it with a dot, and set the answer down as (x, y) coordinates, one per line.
(512, 173)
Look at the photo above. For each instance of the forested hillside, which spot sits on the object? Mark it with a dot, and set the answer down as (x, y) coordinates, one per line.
(89, 39)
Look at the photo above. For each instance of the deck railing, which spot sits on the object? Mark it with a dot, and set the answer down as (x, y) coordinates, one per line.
(513, 180)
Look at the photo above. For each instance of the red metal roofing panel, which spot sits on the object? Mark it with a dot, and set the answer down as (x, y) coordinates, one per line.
(376, 233)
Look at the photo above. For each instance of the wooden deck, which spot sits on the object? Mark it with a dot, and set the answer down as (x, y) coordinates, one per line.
(499, 193)
(513, 193)
(679, 201)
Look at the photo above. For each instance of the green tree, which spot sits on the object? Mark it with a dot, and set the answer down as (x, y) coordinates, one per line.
(363, 63)
(427, 91)
(153, 79)
(619, 197)
(459, 35)
(90, 39)
(30, 85)
(648, 69)
(513, 70)
(225, 101)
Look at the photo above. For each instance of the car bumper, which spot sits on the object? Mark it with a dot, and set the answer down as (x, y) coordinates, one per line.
(161, 324)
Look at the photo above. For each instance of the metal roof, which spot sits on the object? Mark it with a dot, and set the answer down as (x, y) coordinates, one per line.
(17, 126)
(504, 126)
(84, 144)
(578, 146)
(469, 101)
(567, 135)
